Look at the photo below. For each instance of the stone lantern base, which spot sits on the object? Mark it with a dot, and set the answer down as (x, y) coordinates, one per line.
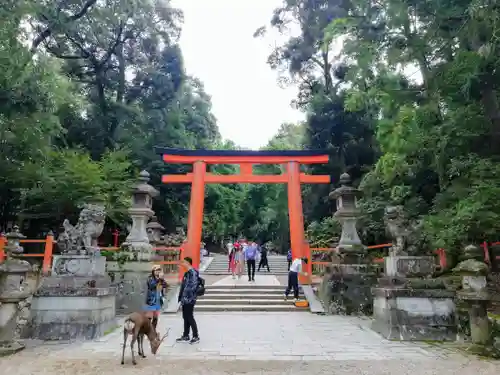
(346, 289)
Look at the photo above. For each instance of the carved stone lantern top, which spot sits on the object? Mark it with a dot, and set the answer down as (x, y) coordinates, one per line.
(346, 197)
(143, 193)
(155, 225)
(143, 186)
(472, 252)
(345, 189)
(13, 241)
(471, 267)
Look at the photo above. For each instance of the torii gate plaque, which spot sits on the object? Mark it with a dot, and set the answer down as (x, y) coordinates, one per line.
(246, 160)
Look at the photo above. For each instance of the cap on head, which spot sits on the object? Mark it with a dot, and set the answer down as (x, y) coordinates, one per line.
(156, 267)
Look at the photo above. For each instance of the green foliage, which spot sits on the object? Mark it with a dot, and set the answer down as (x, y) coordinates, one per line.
(416, 82)
(66, 179)
(325, 233)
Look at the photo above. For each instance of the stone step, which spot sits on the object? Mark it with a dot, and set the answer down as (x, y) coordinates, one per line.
(250, 288)
(233, 295)
(215, 300)
(223, 267)
(220, 273)
(262, 308)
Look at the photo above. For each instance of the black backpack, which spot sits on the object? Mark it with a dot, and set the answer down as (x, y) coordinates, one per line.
(201, 286)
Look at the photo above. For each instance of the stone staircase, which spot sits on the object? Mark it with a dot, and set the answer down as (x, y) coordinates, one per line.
(277, 264)
(251, 297)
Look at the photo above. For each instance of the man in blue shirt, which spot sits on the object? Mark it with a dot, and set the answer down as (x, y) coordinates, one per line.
(250, 256)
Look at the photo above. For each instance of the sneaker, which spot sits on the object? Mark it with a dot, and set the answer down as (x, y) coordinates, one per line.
(285, 297)
(295, 300)
(194, 340)
(182, 339)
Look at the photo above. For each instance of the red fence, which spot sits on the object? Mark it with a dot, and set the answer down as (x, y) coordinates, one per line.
(440, 253)
(172, 265)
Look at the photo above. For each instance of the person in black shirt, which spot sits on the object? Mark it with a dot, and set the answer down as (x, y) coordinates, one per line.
(263, 259)
(187, 299)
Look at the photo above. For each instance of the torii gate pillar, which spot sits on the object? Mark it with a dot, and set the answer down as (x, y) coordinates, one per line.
(195, 218)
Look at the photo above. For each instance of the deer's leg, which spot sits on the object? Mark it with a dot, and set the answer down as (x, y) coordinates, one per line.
(142, 347)
(134, 339)
(139, 348)
(125, 334)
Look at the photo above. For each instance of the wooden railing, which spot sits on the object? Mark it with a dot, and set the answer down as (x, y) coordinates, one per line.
(170, 262)
(46, 255)
(318, 267)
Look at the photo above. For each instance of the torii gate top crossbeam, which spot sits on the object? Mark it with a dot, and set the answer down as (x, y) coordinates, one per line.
(242, 156)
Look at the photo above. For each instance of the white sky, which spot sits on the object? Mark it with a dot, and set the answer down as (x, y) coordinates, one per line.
(219, 48)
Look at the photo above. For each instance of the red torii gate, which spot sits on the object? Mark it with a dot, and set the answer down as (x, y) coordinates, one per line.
(246, 160)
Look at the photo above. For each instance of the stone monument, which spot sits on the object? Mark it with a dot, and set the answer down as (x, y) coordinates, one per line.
(15, 295)
(137, 240)
(474, 294)
(347, 214)
(129, 277)
(347, 285)
(408, 303)
(76, 301)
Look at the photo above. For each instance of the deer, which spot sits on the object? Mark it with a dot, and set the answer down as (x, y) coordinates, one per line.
(139, 325)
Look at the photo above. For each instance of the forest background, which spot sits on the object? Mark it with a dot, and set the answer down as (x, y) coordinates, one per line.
(402, 94)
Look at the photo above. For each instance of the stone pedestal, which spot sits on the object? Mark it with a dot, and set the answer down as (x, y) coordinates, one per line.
(408, 266)
(346, 289)
(78, 265)
(406, 307)
(75, 302)
(414, 314)
(129, 279)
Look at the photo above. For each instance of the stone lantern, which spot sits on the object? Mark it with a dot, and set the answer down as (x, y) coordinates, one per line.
(13, 293)
(474, 294)
(155, 231)
(348, 213)
(140, 212)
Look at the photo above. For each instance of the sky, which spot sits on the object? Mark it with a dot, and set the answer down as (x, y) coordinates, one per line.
(219, 48)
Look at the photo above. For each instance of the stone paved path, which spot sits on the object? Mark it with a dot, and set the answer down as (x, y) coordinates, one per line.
(254, 344)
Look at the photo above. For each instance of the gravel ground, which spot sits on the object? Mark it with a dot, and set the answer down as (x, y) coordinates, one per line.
(31, 364)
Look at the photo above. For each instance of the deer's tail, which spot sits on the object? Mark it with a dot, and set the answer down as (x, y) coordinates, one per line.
(129, 325)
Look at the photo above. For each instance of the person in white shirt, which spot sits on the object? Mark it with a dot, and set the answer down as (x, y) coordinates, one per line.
(293, 277)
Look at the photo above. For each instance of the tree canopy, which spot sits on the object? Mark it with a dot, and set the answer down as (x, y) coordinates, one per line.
(403, 95)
